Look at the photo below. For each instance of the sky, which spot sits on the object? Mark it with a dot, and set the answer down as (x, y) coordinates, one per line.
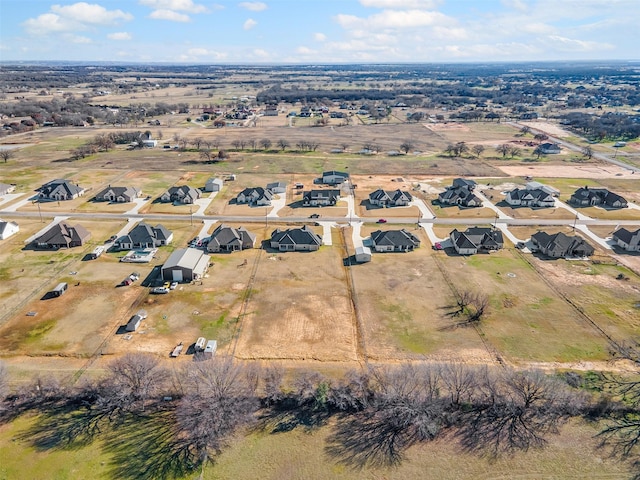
(319, 31)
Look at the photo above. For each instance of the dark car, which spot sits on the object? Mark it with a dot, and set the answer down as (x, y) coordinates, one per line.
(315, 215)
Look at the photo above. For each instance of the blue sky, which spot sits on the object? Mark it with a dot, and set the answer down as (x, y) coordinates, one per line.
(319, 31)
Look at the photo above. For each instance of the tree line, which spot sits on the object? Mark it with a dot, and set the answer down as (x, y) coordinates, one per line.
(185, 417)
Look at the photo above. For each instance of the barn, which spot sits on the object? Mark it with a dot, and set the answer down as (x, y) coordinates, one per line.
(185, 265)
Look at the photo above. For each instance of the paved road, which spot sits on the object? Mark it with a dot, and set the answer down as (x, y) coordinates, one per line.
(576, 148)
(305, 219)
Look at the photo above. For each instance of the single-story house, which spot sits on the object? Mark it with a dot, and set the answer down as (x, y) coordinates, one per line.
(560, 245)
(182, 194)
(532, 185)
(363, 254)
(627, 239)
(523, 197)
(549, 148)
(63, 235)
(464, 183)
(255, 196)
(277, 187)
(7, 229)
(144, 236)
(228, 239)
(295, 239)
(320, 198)
(59, 189)
(5, 188)
(385, 198)
(394, 241)
(118, 194)
(334, 177)
(213, 185)
(185, 265)
(459, 195)
(587, 197)
(475, 239)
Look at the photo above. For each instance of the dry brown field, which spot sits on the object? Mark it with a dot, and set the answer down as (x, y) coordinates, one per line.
(299, 308)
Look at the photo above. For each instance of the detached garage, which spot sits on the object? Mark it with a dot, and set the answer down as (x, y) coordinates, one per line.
(185, 265)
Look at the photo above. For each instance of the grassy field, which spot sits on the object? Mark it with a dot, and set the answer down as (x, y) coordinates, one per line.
(527, 320)
(29, 450)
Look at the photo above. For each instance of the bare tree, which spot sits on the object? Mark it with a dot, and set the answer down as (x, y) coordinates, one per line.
(208, 155)
(450, 150)
(344, 146)
(265, 143)
(538, 152)
(524, 130)
(540, 137)
(197, 142)
(236, 144)
(514, 151)
(133, 380)
(6, 154)
(515, 411)
(587, 152)
(407, 146)
(478, 150)
(253, 143)
(220, 401)
(503, 149)
(159, 135)
(283, 144)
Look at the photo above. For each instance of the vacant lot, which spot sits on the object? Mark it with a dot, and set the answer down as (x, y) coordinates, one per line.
(403, 300)
(607, 293)
(299, 308)
(527, 320)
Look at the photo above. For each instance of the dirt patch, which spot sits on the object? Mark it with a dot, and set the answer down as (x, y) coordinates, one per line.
(549, 128)
(567, 171)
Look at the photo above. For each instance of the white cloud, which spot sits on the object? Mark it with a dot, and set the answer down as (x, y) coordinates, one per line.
(169, 15)
(399, 4)
(48, 23)
(302, 50)
(83, 12)
(401, 19)
(175, 5)
(519, 5)
(260, 53)
(199, 52)
(78, 39)
(573, 45)
(253, 6)
(71, 18)
(320, 37)
(119, 36)
(249, 24)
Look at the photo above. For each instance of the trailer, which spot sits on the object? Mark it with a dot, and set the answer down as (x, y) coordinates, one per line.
(210, 349)
(200, 344)
(60, 289)
(177, 350)
(96, 253)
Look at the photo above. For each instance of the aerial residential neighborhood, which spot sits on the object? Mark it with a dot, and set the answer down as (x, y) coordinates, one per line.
(285, 271)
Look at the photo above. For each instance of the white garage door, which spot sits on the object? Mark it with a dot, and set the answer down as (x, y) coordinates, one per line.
(177, 275)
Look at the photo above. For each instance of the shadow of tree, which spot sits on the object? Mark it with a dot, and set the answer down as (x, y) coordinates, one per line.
(149, 447)
(368, 440)
(288, 415)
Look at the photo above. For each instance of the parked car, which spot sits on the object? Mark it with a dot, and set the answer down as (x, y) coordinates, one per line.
(167, 285)
(173, 285)
(315, 215)
(382, 220)
(437, 246)
(159, 290)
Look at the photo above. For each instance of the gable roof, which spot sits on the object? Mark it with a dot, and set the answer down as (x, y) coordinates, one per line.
(60, 183)
(560, 244)
(4, 226)
(226, 235)
(478, 237)
(396, 238)
(296, 236)
(130, 192)
(189, 258)
(625, 235)
(63, 234)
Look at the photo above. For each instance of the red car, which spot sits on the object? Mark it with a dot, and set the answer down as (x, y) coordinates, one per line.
(382, 220)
